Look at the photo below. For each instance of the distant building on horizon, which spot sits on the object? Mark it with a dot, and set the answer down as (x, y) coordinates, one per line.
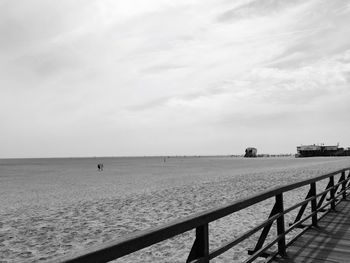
(251, 152)
(321, 150)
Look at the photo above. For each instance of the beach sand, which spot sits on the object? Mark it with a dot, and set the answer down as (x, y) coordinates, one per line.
(34, 232)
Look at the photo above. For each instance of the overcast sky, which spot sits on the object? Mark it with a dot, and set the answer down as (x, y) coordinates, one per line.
(164, 77)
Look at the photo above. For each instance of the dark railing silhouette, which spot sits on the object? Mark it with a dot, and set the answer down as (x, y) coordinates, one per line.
(200, 250)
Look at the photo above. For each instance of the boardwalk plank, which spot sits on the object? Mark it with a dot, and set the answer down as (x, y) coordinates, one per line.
(328, 243)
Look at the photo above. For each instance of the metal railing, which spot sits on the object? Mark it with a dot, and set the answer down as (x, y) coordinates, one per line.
(200, 251)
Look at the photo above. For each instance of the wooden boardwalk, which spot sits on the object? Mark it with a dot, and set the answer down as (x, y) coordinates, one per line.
(330, 242)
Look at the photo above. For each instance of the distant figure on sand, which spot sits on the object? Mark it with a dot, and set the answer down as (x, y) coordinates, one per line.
(100, 167)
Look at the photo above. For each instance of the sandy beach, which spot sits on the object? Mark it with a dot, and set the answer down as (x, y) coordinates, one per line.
(68, 220)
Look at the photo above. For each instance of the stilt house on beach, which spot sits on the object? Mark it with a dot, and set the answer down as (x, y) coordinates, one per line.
(251, 152)
(321, 150)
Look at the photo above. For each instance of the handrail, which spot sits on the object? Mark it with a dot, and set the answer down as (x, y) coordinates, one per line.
(115, 249)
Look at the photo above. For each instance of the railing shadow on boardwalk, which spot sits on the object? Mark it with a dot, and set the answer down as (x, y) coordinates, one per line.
(200, 252)
(328, 242)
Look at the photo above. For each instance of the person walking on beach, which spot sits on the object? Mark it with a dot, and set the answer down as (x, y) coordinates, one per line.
(100, 167)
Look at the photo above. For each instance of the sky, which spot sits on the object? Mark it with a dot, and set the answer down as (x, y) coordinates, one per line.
(163, 77)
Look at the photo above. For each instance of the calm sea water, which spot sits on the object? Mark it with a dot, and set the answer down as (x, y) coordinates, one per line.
(27, 182)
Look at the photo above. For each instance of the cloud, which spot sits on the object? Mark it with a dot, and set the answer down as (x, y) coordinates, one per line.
(249, 9)
(160, 67)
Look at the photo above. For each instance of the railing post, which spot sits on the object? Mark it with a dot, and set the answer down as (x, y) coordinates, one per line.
(280, 226)
(332, 192)
(313, 203)
(343, 185)
(200, 248)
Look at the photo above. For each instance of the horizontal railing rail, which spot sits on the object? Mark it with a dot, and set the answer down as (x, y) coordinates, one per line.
(200, 250)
